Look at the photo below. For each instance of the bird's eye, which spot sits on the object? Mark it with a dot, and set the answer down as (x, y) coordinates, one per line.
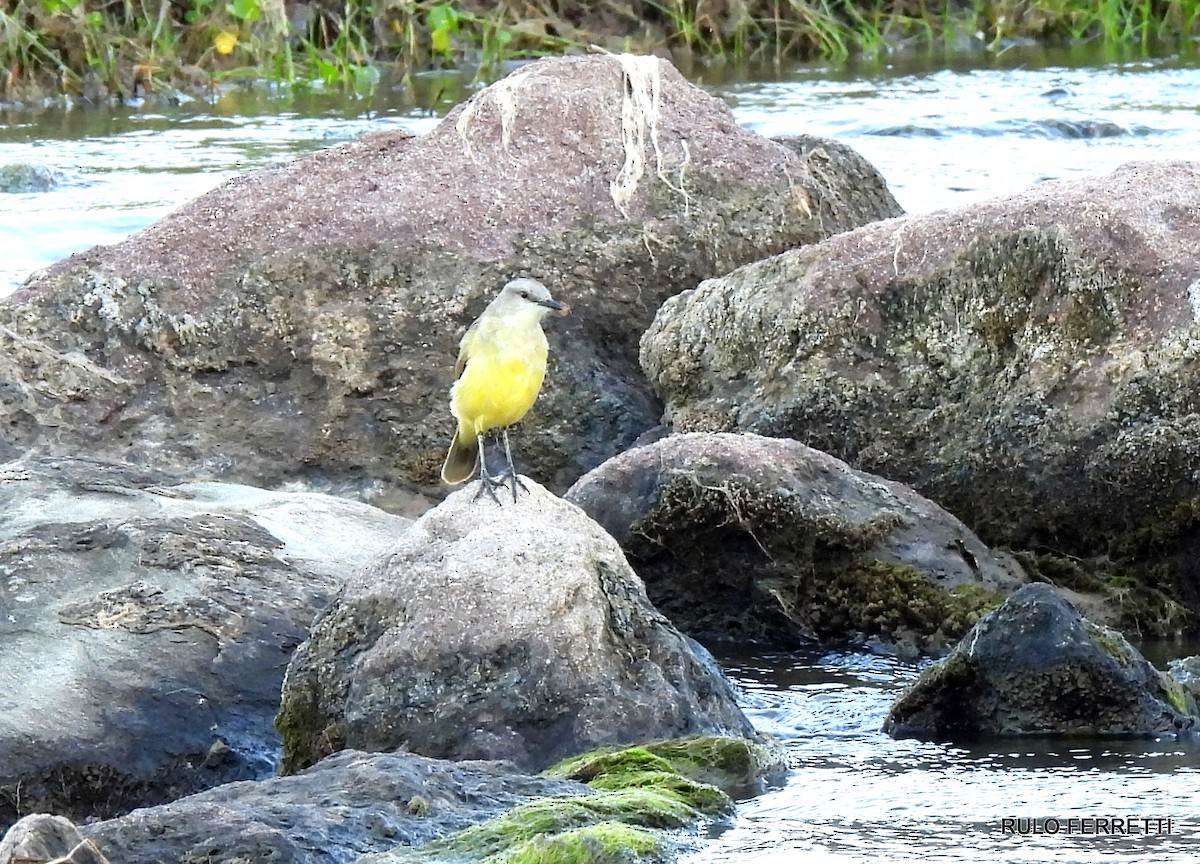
(525, 295)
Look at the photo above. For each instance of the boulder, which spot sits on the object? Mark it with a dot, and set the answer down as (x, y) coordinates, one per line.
(348, 805)
(147, 625)
(1029, 363)
(301, 322)
(42, 838)
(1035, 666)
(498, 631)
(751, 539)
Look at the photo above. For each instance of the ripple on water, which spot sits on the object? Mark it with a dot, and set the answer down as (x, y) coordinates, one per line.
(854, 794)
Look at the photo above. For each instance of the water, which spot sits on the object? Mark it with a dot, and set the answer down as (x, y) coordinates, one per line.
(942, 136)
(855, 795)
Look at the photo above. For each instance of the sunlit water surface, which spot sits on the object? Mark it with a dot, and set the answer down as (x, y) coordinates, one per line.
(942, 137)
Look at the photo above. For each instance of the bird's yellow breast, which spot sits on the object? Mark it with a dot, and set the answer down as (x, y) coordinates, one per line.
(505, 365)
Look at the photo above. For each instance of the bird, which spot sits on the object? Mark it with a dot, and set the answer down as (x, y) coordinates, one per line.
(501, 365)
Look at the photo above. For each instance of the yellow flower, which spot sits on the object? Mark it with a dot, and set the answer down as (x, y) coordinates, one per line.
(225, 42)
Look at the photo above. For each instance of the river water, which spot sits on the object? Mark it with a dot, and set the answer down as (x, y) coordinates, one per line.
(943, 135)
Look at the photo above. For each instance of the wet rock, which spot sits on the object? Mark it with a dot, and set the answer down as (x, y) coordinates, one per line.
(17, 178)
(147, 625)
(514, 631)
(1029, 363)
(746, 538)
(1186, 672)
(1035, 666)
(347, 805)
(45, 839)
(301, 322)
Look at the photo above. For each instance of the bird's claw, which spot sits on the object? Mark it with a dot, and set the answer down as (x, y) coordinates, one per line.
(489, 484)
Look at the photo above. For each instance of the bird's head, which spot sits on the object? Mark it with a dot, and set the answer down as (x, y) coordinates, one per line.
(521, 294)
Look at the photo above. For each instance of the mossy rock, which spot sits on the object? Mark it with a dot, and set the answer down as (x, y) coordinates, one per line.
(638, 794)
(738, 767)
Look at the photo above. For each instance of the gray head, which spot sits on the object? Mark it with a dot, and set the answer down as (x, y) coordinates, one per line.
(521, 293)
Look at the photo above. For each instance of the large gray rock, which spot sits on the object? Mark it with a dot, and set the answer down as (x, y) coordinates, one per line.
(746, 538)
(348, 805)
(302, 322)
(1035, 666)
(1030, 363)
(147, 624)
(514, 631)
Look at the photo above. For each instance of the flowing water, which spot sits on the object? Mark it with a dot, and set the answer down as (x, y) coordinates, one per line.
(856, 795)
(942, 136)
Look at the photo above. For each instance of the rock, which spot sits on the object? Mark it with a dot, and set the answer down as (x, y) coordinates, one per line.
(853, 192)
(45, 839)
(516, 632)
(301, 322)
(347, 805)
(147, 625)
(643, 797)
(1186, 673)
(751, 539)
(19, 178)
(1036, 667)
(1027, 362)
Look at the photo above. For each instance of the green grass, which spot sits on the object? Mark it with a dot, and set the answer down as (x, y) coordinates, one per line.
(104, 48)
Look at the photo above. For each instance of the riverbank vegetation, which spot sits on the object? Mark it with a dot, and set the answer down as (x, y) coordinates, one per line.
(99, 49)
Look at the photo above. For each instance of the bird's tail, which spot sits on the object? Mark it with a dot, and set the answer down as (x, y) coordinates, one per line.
(460, 461)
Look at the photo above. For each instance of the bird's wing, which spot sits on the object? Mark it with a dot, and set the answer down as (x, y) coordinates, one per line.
(462, 350)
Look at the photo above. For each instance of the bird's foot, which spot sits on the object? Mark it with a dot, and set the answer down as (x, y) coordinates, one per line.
(490, 485)
(516, 484)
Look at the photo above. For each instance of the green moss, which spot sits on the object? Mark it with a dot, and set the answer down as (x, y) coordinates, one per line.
(588, 766)
(1112, 643)
(735, 766)
(1175, 695)
(889, 599)
(603, 843)
(297, 723)
(701, 797)
(566, 824)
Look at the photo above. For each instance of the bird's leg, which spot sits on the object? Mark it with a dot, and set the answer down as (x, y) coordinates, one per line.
(485, 479)
(512, 469)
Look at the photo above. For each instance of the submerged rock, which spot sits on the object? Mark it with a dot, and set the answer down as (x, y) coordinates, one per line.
(1029, 363)
(514, 631)
(301, 322)
(746, 538)
(1035, 666)
(18, 178)
(147, 625)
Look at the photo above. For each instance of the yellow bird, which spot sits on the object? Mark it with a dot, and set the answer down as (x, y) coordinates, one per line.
(501, 364)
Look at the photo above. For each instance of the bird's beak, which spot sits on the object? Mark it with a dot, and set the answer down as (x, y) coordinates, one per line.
(555, 305)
